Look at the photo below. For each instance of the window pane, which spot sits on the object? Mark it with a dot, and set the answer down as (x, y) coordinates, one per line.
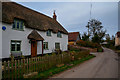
(59, 34)
(48, 33)
(12, 47)
(21, 25)
(18, 47)
(57, 45)
(14, 24)
(45, 45)
(17, 25)
(15, 46)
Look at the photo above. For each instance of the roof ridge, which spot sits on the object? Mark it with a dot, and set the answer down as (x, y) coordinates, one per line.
(31, 9)
(33, 19)
(73, 32)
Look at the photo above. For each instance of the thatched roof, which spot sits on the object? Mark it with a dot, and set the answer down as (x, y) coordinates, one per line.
(35, 36)
(33, 19)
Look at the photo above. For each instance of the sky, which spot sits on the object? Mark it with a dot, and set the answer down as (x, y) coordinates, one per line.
(75, 15)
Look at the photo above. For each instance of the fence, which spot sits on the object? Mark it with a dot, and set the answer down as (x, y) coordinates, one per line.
(17, 68)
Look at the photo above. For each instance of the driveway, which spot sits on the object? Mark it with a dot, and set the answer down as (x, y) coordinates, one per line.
(104, 65)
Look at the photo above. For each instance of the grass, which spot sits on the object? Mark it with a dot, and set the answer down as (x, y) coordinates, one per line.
(55, 70)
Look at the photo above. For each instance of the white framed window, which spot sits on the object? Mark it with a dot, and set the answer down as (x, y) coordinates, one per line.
(15, 46)
(18, 24)
(45, 45)
(48, 33)
(59, 34)
(57, 45)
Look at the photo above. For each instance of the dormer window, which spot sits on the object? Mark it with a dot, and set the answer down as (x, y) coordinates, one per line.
(18, 24)
(48, 33)
(59, 34)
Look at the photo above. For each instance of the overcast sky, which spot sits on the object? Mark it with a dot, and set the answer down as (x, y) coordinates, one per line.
(75, 15)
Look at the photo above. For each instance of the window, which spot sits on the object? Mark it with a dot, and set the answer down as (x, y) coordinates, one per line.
(18, 24)
(16, 46)
(45, 45)
(57, 45)
(59, 34)
(48, 33)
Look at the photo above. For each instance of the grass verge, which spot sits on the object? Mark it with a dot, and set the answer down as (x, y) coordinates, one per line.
(56, 70)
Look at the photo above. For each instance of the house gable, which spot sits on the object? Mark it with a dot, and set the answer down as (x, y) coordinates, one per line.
(73, 36)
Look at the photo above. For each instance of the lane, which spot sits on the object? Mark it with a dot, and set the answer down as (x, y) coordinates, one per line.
(104, 65)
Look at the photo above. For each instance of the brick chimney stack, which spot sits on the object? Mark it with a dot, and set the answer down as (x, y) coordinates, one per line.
(54, 15)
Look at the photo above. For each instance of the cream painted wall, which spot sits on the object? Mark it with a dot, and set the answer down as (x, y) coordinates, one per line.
(10, 34)
(117, 41)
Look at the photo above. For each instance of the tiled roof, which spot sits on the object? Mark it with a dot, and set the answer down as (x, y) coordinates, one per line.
(72, 36)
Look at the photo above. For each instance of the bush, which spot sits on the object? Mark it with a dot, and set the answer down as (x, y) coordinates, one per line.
(117, 47)
(100, 49)
(81, 54)
(71, 48)
(81, 43)
(88, 44)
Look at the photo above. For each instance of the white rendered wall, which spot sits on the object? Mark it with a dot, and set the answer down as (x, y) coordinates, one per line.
(0, 40)
(53, 39)
(10, 34)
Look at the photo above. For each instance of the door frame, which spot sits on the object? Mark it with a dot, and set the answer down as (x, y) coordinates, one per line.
(34, 54)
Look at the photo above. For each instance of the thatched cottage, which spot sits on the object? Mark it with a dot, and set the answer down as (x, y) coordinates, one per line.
(28, 32)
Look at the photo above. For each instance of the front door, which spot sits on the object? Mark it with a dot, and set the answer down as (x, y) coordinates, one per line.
(33, 48)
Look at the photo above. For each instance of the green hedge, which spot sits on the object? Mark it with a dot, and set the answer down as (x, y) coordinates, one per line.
(88, 44)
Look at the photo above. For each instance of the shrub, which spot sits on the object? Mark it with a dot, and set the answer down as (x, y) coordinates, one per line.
(71, 48)
(88, 44)
(81, 43)
(58, 51)
(70, 43)
(81, 54)
(100, 49)
(118, 47)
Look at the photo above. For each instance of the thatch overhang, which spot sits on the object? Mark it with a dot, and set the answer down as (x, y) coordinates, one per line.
(34, 35)
(33, 19)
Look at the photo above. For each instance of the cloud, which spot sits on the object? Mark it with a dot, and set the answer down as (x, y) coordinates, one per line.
(74, 15)
(65, 0)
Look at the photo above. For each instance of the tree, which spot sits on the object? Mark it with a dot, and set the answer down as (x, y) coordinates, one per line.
(95, 30)
(107, 37)
(85, 37)
(113, 37)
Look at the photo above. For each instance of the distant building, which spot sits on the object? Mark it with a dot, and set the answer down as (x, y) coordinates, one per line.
(73, 37)
(117, 39)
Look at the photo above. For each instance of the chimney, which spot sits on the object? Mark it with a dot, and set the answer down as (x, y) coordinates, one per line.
(54, 15)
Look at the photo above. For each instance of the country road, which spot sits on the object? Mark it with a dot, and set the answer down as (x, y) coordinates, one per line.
(104, 65)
